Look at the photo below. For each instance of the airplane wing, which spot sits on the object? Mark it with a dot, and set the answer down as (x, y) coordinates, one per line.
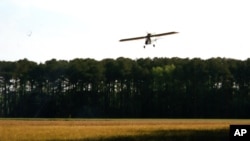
(163, 34)
(135, 38)
(155, 35)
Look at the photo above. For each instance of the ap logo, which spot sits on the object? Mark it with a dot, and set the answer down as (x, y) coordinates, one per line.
(239, 132)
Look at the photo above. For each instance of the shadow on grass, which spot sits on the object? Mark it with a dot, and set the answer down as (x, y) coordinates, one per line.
(170, 135)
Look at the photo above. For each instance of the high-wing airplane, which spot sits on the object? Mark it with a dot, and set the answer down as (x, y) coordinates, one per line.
(148, 40)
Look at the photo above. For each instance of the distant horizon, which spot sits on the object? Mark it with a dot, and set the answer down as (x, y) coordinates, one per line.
(126, 58)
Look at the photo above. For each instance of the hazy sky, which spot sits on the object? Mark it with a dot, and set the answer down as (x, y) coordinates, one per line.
(40, 30)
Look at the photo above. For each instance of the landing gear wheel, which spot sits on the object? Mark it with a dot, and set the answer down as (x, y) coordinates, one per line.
(153, 45)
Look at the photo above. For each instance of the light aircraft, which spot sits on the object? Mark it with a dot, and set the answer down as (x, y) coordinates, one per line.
(148, 40)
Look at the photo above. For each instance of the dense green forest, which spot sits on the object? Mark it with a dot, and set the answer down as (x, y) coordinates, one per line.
(122, 87)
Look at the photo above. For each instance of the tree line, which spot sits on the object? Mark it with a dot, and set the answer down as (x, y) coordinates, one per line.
(122, 87)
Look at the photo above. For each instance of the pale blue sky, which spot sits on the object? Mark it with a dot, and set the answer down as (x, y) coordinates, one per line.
(40, 30)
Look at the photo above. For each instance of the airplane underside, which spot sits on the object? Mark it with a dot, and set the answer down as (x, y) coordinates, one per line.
(148, 42)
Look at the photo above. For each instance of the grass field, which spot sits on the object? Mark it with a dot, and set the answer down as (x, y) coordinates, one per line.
(116, 129)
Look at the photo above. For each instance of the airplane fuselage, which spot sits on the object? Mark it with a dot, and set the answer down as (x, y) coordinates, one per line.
(148, 39)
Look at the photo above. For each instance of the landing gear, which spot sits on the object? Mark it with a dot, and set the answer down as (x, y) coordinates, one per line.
(146, 45)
